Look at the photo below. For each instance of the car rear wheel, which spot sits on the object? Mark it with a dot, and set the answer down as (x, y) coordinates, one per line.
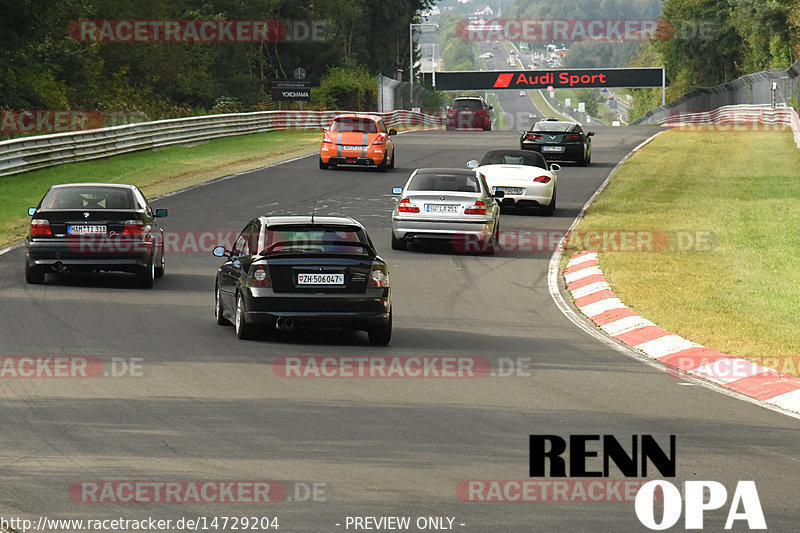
(218, 310)
(33, 275)
(398, 244)
(383, 164)
(147, 275)
(162, 266)
(243, 329)
(394, 156)
(586, 160)
(381, 335)
(322, 164)
(550, 209)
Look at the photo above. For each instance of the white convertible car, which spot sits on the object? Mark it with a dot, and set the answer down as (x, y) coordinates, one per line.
(526, 178)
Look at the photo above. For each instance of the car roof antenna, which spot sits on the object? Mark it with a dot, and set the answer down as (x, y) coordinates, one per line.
(313, 209)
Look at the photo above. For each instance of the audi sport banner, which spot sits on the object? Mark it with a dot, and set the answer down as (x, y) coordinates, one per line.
(635, 78)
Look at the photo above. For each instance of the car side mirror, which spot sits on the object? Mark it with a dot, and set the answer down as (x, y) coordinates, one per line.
(161, 213)
(220, 251)
(491, 106)
(392, 131)
(447, 108)
(522, 132)
(498, 194)
(590, 134)
(472, 164)
(397, 190)
(555, 167)
(31, 211)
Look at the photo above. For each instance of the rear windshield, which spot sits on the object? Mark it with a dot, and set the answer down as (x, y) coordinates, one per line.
(467, 105)
(533, 159)
(553, 126)
(88, 198)
(445, 182)
(354, 124)
(316, 239)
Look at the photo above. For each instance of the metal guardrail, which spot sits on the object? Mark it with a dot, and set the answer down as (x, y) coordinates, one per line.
(31, 153)
(736, 116)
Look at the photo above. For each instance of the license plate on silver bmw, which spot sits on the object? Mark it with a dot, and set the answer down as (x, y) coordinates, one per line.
(320, 279)
(441, 208)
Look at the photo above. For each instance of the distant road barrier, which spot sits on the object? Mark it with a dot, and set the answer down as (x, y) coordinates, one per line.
(31, 153)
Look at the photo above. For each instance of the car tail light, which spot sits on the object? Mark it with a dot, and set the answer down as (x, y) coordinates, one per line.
(542, 179)
(572, 137)
(259, 277)
(405, 206)
(379, 276)
(134, 228)
(380, 139)
(326, 138)
(478, 209)
(40, 226)
(532, 137)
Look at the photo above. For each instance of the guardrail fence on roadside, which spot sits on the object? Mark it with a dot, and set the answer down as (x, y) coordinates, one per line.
(734, 116)
(31, 153)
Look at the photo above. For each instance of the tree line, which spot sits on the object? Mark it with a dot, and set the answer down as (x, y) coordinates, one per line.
(341, 45)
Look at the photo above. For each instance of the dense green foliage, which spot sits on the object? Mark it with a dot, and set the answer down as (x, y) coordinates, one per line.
(41, 67)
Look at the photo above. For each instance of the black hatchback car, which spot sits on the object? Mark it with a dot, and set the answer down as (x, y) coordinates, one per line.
(559, 140)
(92, 227)
(303, 271)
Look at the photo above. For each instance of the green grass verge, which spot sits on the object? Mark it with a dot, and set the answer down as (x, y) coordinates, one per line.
(741, 296)
(541, 104)
(500, 121)
(154, 171)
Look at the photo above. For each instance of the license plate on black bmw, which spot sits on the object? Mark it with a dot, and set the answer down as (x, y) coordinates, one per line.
(320, 279)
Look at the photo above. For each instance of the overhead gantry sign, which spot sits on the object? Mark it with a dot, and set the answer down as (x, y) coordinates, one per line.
(486, 80)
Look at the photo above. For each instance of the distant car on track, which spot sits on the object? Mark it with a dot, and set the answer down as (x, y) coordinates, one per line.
(469, 112)
(92, 227)
(357, 139)
(445, 204)
(526, 179)
(559, 140)
(292, 271)
(523, 93)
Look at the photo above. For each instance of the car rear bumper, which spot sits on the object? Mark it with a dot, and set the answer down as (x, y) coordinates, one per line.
(342, 160)
(363, 310)
(570, 153)
(441, 230)
(118, 255)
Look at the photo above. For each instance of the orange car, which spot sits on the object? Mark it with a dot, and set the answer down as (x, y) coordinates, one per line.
(356, 139)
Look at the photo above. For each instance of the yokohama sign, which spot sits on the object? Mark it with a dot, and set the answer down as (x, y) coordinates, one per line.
(542, 79)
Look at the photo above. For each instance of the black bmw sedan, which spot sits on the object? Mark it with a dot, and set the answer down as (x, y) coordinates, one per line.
(303, 271)
(92, 227)
(559, 140)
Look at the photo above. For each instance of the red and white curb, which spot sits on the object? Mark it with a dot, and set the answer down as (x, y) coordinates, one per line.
(595, 299)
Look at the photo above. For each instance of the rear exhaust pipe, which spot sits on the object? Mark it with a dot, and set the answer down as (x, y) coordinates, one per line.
(280, 323)
(288, 324)
(58, 266)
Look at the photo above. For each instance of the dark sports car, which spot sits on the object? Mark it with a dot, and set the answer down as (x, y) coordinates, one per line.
(559, 140)
(91, 227)
(303, 271)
